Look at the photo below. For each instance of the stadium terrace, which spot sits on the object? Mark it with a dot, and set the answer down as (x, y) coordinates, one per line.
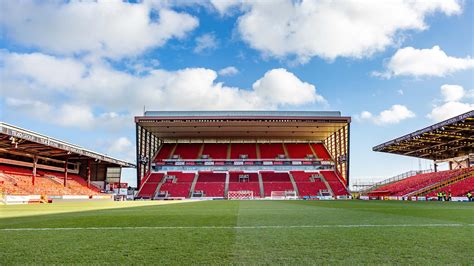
(244, 154)
(450, 141)
(35, 167)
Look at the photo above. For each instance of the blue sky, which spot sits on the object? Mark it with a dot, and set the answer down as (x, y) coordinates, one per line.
(80, 71)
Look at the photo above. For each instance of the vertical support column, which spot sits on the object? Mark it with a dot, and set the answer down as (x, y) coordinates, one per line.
(89, 173)
(435, 167)
(341, 152)
(65, 171)
(348, 136)
(137, 136)
(333, 138)
(148, 143)
(35, 163)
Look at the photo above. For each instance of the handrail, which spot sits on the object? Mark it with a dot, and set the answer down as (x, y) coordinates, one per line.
(397, 178)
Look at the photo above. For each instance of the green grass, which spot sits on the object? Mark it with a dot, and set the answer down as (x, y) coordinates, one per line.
(239, 238)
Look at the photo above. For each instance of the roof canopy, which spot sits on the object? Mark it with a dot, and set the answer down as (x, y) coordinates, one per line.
(17, 140)
(291, 125)
(445, 140)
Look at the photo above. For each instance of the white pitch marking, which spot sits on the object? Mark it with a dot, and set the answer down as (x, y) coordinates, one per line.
(232, 227)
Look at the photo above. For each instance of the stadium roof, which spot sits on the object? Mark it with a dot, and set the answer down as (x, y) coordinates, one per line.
(445, 140)
(14, 139)
(296, 125)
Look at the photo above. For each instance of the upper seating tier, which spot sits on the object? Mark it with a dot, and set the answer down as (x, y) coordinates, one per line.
(165, 151)
(248, 149)
(271, 150)
(321, 151)
(215, 150)
(188, 151)
(298, 150)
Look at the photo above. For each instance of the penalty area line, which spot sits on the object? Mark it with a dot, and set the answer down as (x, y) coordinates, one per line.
(231, 227)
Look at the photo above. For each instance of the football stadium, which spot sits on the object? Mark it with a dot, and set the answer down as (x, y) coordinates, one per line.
(253, 187)
(236, 132)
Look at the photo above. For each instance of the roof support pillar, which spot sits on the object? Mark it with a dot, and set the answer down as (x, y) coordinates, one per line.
(35, 162)
(89, 173)
(65, 171)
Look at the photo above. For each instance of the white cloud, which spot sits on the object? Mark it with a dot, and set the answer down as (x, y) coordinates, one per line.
(283, 87)
(44, 69)
(331, 29)
(74, 115)
(228, 71)
(103, 96)
(112, 28)
(455, 102)
(206, 42)
(120, 147)
(410, 61)
(223, 6)
(394, 115)
(452, 92)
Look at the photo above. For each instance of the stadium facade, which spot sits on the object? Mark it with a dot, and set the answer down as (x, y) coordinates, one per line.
(261, 154)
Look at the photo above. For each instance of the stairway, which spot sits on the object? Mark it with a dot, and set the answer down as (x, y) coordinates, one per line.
(191, 190)
(295, 187)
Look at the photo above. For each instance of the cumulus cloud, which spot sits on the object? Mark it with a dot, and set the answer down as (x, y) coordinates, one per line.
(330, 29)
(456, 101)
(283, 87)
(394, 115)
(101, 95)
(410, 61)
(228, 71)
(206, 42)
(112, 29)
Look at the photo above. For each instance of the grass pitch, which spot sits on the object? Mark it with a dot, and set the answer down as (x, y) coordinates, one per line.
(238, 232)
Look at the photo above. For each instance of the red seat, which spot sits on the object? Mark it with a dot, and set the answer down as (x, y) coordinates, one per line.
(238, 149)
(321, 151)
(298, 150)
(417, 182)
(271, 150)
(165, 152)
(215, 150)
(188, 151)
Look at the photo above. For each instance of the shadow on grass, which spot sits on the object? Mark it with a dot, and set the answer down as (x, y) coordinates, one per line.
(185, 214)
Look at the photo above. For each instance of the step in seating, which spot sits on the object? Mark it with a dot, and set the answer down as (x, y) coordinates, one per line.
(149, 187)
(165, 152)
(458, 189)
(176, 185)
(309, 183)
(335, 183)
(321, 151)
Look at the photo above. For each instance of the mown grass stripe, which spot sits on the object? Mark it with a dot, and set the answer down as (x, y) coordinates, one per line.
(232, 227)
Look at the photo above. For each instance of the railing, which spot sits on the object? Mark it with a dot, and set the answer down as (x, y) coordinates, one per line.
(396, 178)
(443, 183)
